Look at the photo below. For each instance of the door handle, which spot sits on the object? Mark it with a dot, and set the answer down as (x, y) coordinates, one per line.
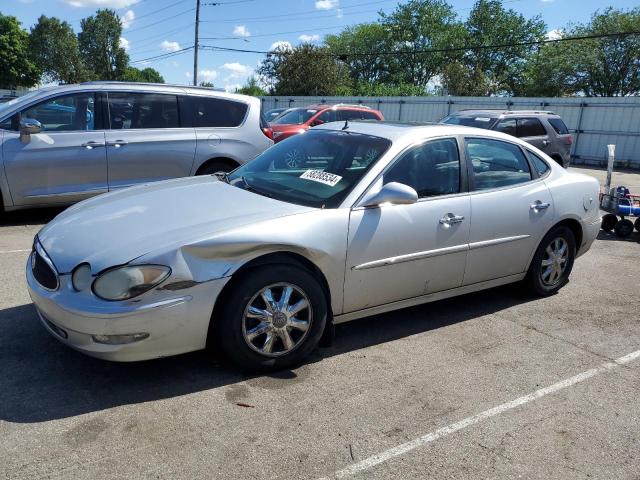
(538, 205)
(117, 143)
(450, 219)
(91, 145)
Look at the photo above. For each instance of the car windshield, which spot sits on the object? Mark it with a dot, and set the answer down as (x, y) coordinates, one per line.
(316, 169)
(295, 116)
(478, 121)
(7, 105)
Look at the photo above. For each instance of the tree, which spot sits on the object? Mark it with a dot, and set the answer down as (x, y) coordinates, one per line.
(420, 25)
(489, 23)
(100, 45)
(17, 68)
(147, 75)
(54, 47)
(305, 70)
(252, 88)
(206, 84)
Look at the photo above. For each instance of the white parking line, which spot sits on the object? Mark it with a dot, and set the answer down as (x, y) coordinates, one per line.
(15, 251)
(382, 457)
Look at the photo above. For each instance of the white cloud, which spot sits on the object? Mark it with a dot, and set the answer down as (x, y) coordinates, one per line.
(241, 31)
(237, 69)
(281, 45)
(127, 19)
(175, 64)
(547, 1)
(207, 75)
(309, 38)
(168, 46)
(339, 13)
(554, 34)
(101, 3)
(327, 4)
(124, 43)
(187, 74)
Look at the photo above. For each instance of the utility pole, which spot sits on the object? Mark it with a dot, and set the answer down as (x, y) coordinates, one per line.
(195, 46)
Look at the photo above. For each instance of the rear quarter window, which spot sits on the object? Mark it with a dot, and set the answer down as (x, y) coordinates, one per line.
(559, 126)
(217, 112)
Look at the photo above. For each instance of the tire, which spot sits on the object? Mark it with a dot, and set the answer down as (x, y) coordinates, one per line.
(608, 222)
(215, 167)
(232, 330)
(538, 280)
(636, 224)
(624, 228)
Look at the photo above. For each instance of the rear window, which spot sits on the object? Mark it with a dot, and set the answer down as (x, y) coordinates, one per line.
(559, 126)
(478, 121)
(217, 112)
(370, 116)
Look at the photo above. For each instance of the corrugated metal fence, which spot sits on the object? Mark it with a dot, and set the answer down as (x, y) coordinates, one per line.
(595, 122)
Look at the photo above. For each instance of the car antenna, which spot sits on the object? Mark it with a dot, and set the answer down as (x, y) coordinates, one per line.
(346, 124)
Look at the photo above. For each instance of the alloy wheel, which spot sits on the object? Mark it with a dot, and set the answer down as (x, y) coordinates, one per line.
(554, 261)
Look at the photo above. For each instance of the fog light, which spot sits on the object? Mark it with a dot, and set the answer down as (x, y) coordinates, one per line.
(119, 339)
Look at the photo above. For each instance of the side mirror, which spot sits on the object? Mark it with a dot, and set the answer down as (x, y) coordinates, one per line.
(394, 193)
(27, 127)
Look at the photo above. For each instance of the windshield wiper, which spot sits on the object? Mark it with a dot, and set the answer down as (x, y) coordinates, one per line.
(224, 176)
(250, 188)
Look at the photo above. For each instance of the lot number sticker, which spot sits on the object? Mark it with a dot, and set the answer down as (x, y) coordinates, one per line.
(321, 177)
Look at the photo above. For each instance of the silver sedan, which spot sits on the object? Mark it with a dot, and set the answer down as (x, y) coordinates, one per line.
(259, 263)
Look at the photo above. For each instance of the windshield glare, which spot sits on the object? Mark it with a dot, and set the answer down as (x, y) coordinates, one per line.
(317, 169)
(477, 121)
(295, 116)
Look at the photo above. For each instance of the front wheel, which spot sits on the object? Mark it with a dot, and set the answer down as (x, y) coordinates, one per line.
(272, 319)
(552, 263)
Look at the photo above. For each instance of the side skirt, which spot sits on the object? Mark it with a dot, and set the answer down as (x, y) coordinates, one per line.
(432, 297)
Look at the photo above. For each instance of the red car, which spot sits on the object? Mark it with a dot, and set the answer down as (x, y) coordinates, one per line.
(296, 120)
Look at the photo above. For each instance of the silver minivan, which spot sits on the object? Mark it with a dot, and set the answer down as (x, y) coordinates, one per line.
(60, 145)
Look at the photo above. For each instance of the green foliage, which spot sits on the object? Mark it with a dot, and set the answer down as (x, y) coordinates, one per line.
(252, 88)
(100, 47)
(17, 69)
(207, 84)
(147, 75)
(54, 47)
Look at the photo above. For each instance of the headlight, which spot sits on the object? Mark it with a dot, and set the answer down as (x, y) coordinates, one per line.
(127, 282)
(81, 277)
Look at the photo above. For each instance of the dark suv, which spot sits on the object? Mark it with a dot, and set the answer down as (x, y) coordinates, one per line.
(542, 129)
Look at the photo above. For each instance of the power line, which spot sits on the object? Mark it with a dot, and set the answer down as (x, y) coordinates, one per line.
(437, 50)
(164, 55)
(276, 34)
(160, 21)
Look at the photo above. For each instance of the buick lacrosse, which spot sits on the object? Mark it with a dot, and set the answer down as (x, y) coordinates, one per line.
(341, 222)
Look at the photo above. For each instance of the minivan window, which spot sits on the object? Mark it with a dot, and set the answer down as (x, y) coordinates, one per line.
(66, 113)
(558, 125)
(142, 110)
(217, 112)
(530, 127)
(497, 163)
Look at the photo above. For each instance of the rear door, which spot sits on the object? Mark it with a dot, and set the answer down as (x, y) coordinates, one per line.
(146, 141)
(529, 129)
(512, 209)
(63, 164)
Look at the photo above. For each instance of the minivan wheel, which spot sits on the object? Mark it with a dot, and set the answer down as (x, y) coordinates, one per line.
(552, 263)
(215, 167)
(272, 319)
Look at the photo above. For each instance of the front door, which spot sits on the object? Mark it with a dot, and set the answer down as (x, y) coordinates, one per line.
(146, 142)
(512, 210)
(63, 164)
(397, 252)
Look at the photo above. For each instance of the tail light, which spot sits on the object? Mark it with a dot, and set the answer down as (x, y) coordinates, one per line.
(569, 140)
(268, 132)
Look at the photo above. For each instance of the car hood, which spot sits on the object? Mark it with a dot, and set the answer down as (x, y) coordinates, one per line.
(115, 228)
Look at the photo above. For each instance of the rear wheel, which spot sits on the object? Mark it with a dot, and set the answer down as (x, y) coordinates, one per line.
(624, 228)
(215, 167)
(608, 222)
(552, 263)
(272, 319)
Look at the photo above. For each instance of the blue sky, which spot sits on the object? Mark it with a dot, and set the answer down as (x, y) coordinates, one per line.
(155, 27)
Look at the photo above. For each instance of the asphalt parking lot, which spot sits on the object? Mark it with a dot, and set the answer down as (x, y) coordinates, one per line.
(489, 385)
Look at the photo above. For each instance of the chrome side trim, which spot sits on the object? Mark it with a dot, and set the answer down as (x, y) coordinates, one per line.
(411, 257)
(432, 297)
(90, 191)
(496, 241)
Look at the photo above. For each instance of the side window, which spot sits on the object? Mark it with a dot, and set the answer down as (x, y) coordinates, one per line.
(216, 112)
(369, 116)
(327, 116)
(496, 163)
(559, 126)
(350, 115)
(507, 125)
(431, 169)
(142, 110)
(67, 113)
(530, 127)
(539, 164)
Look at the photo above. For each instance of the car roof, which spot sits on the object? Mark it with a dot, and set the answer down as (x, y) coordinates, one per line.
(324, 106)
(407, 132)
(495, 113)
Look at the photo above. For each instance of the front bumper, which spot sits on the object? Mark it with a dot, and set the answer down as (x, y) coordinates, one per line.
(177, 321)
